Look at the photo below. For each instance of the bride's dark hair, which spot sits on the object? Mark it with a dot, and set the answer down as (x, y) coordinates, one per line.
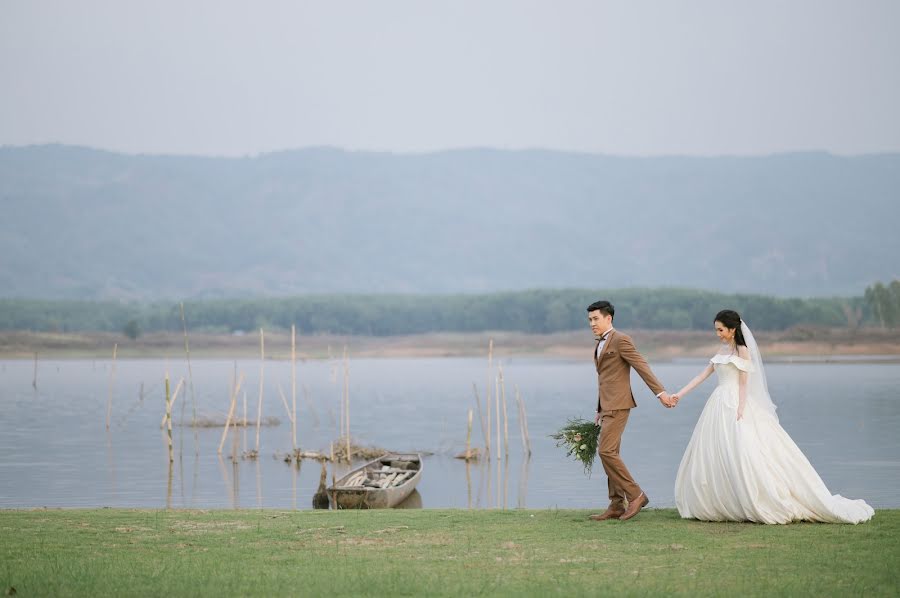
(732, 320)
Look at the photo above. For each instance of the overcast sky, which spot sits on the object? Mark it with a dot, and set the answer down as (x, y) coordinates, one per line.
(631, 77)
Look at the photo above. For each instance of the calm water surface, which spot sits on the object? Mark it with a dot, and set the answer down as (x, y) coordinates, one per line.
(55, 450)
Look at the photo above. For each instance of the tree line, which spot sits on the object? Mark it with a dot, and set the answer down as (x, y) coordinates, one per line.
(533, 311)
(884, 303)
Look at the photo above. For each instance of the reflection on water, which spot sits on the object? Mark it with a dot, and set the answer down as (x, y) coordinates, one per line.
(320, 498)
(57, 451)
(413, 501)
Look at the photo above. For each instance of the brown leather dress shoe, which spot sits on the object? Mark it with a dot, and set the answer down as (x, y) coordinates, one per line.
(610, 513)
(634, 507)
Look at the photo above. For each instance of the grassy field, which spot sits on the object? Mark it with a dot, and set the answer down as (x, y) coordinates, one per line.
(451, 552)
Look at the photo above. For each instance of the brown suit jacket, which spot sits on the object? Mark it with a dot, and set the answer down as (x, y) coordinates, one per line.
(614, 373)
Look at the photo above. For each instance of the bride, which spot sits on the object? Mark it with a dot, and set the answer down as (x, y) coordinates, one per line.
(740, 464)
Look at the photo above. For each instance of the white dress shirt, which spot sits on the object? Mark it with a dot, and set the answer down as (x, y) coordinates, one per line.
(603, 344)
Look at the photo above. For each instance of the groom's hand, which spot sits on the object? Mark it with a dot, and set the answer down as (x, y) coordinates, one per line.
(666, 400)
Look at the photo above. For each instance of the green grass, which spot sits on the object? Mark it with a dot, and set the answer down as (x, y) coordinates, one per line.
(112, 552)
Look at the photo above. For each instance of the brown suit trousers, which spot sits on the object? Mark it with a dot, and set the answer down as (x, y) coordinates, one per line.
(614, 403)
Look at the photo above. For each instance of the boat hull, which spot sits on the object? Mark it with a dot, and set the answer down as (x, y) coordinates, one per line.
(361, 497)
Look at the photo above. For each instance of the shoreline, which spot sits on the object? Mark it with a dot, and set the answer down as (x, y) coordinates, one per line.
(797, 345)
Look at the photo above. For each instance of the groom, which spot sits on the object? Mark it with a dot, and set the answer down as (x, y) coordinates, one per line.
(614, 356)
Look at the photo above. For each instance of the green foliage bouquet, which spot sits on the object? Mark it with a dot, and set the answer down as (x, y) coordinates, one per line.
(579, 437)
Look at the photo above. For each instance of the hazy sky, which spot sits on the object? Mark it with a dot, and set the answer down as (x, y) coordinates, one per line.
(635, 78)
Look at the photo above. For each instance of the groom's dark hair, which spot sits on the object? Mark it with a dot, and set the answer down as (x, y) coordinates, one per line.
(604, 307)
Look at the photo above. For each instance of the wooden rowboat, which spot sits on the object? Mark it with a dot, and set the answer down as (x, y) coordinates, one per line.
(379, 484)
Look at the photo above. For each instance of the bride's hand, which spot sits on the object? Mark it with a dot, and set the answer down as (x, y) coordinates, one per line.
(740, 411)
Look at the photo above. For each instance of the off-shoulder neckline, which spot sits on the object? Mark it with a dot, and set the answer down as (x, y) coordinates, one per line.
(739, 362)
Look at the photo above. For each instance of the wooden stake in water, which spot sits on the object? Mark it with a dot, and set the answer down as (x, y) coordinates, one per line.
(262, 363)
(234, 393)
(244, 424)
(333, 476)
(480, 415)
(287, 409)
(347, 400)
(169, 486)
(469, 437)
(187, 352)
(169, 418)
(490, 377)
(112, 380)
(497, 409)
(523, 424)
(294, 385)
(34, 380)
(505, 419)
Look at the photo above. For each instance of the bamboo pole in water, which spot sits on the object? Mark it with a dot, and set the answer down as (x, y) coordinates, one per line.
(168, 417)
(294, 385)
(469, 437)
(347, 399)
(286, 408)
(112, 380)
(234, 393)
(244, 431)
(489, 379)
(187, 352)
(168, 414)
(262, 363)
(284, 402)
(524, 419)
(521, 421)
(235, 441)
(497, 409)
(169, 423)
(169, 486)
(333, 476)
(505, 419)
(339, 430)
(480, 415)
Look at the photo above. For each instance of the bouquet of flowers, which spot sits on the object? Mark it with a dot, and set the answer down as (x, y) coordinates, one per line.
(579, 437)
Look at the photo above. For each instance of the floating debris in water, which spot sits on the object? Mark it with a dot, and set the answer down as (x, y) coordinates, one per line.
(214, 422)
(356, 450)
(298, 455)
(473, 454)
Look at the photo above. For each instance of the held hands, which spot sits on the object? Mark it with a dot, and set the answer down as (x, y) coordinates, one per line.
(597, 419)
(668, 400)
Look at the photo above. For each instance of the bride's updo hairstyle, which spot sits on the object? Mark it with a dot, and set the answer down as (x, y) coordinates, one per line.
(731, 320)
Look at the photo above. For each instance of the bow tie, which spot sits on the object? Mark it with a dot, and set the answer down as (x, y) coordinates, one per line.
(603, 338)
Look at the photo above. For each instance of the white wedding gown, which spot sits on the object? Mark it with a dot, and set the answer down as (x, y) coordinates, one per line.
(751, 470)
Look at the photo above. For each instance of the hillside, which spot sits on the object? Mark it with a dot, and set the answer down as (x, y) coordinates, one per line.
(86, 224)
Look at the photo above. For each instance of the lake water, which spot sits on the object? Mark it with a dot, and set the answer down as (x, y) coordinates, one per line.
(55, 450)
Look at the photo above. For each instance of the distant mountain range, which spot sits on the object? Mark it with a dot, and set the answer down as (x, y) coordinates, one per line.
(88, 224)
